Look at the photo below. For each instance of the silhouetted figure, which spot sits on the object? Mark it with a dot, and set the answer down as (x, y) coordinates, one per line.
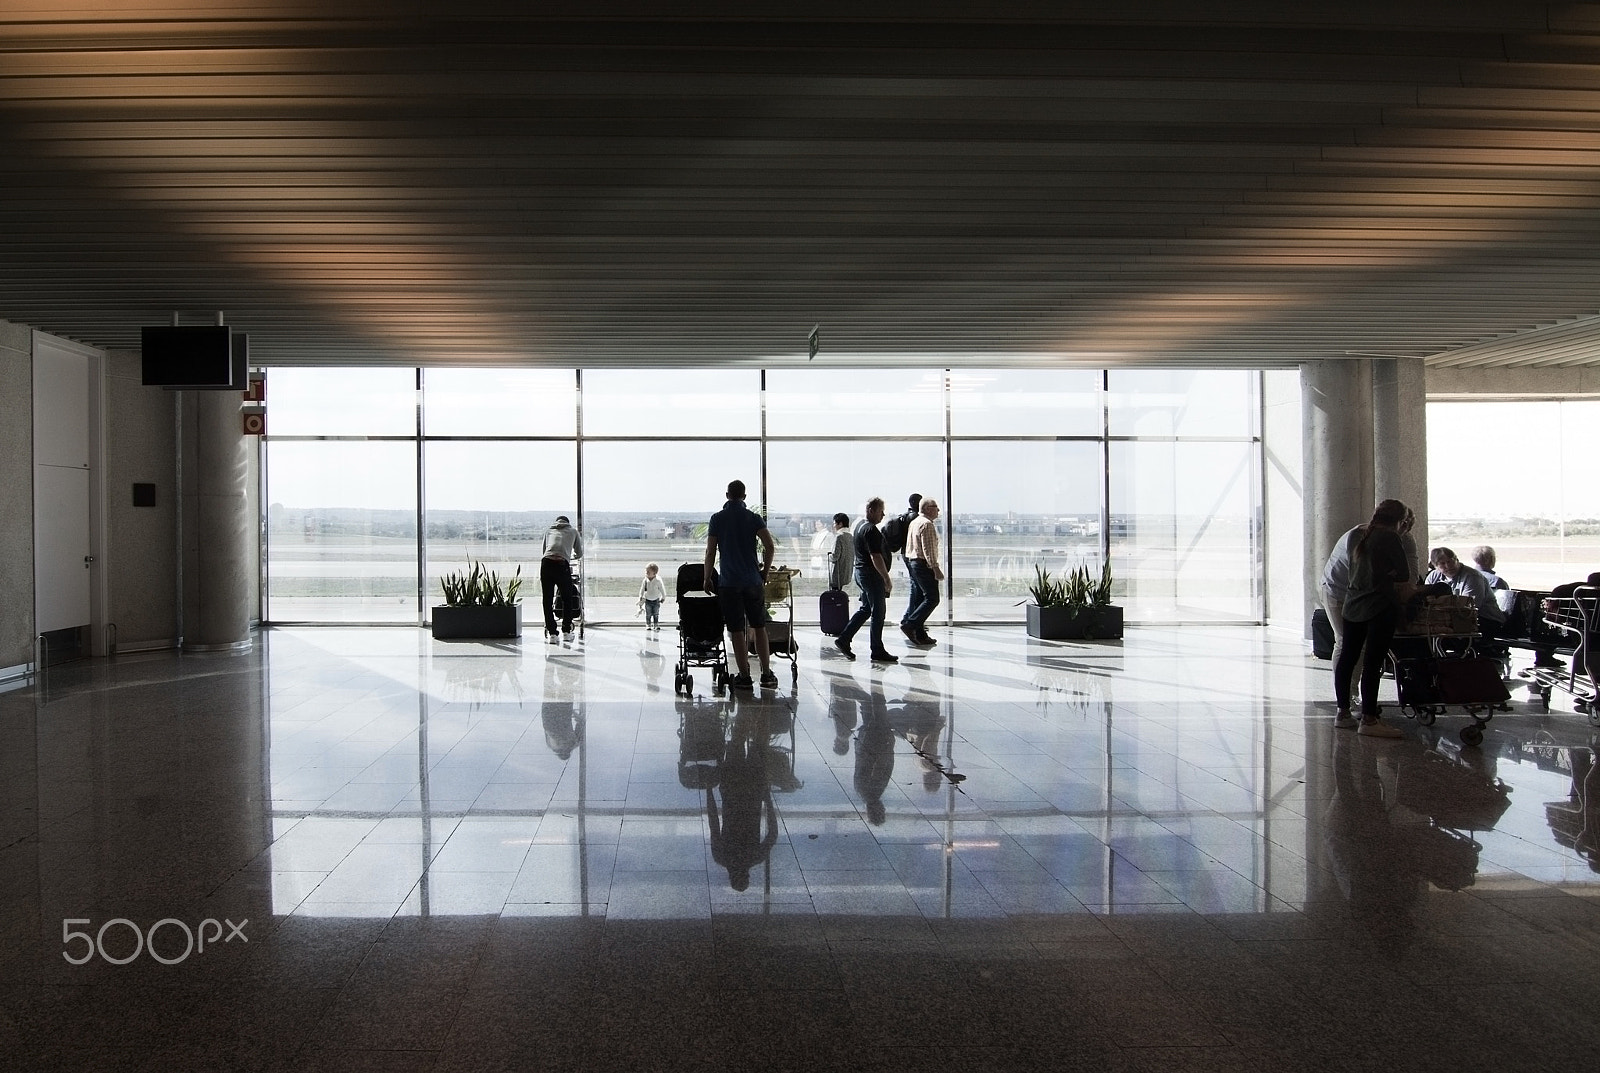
(739, 841)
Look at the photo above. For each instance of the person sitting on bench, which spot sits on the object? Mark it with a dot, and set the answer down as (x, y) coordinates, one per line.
(1484, 558)
(1465, 581)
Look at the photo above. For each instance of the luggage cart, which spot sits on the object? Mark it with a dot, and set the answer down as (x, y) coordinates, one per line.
(1430, 680)
(1576, 617)
(779, 595)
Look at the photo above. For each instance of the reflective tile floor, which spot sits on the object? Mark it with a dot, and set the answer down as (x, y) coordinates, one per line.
(360, 849)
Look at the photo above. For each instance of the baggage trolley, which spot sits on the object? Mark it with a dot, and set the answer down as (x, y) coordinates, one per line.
(779, 594)
(1577, 618)
(1430, 681)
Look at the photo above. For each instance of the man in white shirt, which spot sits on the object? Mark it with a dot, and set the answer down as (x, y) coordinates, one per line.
(922, 559)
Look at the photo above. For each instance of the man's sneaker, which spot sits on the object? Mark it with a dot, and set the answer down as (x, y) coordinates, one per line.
(769, 680)
(884, 657)
(925, 641)
(1345, 721)
(1379, 729)
(844, 648)
(909, 631)
(742, 681)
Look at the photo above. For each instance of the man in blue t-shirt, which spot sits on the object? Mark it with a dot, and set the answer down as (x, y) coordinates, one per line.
(741, 585)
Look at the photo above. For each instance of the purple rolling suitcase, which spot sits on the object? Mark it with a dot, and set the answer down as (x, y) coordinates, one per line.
(834, 610)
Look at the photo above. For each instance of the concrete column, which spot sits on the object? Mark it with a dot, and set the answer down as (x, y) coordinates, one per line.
(1336, 399)
(1400, 438)
(216, 614)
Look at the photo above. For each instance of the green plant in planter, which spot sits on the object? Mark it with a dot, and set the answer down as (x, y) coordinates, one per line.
(478, 586)
(1100, 592)
(1079, 597)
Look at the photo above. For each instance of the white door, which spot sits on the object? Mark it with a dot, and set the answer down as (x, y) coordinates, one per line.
(61, 556)
(62, 568)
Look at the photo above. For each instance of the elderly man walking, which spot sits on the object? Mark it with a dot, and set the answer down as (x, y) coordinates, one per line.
(922, 559)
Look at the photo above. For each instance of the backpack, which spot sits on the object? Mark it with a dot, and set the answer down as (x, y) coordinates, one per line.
(894, 532)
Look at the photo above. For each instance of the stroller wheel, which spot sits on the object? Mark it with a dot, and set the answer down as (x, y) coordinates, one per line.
(1472, 735)
(688, 683)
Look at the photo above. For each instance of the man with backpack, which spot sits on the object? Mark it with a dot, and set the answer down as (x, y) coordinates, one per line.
(894, 543)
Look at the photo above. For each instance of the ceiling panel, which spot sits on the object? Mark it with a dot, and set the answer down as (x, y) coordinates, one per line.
(1233, 183)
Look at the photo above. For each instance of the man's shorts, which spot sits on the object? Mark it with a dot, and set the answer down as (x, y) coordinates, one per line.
(742, 606)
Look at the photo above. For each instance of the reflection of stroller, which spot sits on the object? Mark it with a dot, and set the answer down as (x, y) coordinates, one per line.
(702, 737)
(699, 632)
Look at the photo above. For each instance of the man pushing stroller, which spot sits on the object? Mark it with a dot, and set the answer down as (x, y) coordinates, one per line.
(741, 584)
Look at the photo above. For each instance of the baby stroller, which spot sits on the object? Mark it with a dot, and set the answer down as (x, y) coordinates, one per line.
(699, 632)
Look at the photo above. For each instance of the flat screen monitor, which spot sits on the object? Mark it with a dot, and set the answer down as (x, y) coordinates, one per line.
(195, 357)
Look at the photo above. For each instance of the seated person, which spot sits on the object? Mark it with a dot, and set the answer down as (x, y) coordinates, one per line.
(1483, 556)
(1463, 580)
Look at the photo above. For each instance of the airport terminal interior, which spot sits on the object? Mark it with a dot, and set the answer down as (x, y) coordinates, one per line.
(1171, 294)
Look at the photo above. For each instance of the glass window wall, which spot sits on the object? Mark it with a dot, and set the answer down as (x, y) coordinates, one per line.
(501, 402)
(342, 531)
(810, 482)
(1014, 505)
(855, 402)
(717, 403)
(1026, 472)
(492, 500)
(343, 402)
(1183, 402)
(1026, 402)
(1531, 498)
(649, 501)
(1183, 534)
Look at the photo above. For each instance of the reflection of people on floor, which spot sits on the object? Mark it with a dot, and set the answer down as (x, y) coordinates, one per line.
(651, 662)
(874, 759)
(920, 722)
(1363, 847)
(845, 699)
(738, 841)
(561, 730)
(562, 682)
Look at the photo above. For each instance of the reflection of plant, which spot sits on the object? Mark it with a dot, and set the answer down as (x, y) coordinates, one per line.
(482, 681)
(478, 586)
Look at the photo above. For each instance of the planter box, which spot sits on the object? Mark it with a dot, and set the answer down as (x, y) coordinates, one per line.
(1070, 624)
(476, 623)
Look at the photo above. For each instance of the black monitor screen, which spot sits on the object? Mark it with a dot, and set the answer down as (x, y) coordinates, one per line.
(192, 356)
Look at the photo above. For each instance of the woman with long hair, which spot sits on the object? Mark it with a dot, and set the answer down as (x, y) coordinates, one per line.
(1380, 582)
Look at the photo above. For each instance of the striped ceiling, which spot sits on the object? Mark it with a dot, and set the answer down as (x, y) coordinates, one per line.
(1226, 182)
